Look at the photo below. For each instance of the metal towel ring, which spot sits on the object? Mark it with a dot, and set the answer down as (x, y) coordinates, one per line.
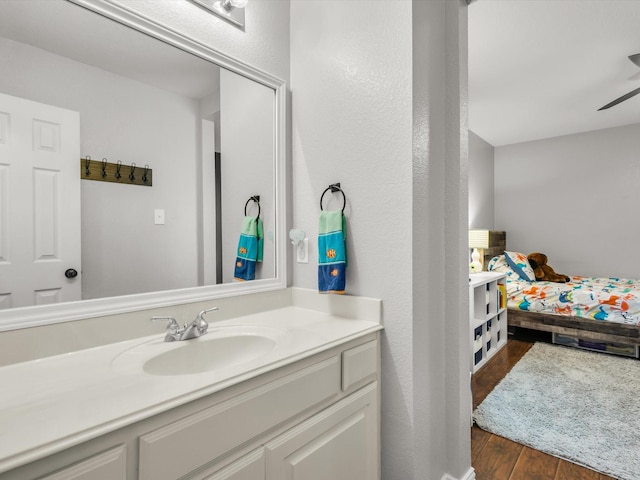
(255, 198)
(334, 188)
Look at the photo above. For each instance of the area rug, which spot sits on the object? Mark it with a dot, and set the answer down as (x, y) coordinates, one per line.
(577, 405)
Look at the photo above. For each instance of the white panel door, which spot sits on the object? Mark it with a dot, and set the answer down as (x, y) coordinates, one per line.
(39, 203)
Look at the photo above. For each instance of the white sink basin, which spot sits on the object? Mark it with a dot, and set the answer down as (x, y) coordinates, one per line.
(220, 348)
(204, 354)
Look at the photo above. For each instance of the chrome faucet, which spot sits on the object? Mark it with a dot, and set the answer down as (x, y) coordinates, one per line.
(194, 329)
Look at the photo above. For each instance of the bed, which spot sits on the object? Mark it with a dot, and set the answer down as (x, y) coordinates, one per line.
(603, 310)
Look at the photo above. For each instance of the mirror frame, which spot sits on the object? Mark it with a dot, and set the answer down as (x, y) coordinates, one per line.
(24, 317)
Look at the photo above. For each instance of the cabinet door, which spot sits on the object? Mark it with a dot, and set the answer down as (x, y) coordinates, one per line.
(339, 443)
(109, 465)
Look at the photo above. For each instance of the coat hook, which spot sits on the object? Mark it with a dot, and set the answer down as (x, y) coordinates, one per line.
(118, 167)
(87, 162)
(144, 174)
(133, 169)
(104, 167)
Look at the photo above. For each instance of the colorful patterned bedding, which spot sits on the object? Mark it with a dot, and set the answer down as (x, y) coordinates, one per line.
(605, 299)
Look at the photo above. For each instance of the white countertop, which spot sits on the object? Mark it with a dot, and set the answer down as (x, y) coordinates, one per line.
(50, 404)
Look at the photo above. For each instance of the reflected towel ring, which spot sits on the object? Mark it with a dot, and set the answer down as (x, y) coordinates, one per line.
(255, 198)
(334, 188)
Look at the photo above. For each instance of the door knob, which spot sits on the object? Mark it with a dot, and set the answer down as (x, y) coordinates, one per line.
(71, 273)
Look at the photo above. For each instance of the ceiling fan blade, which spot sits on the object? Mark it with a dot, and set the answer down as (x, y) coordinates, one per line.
(635, 59)
(634, 77)
(621, 99)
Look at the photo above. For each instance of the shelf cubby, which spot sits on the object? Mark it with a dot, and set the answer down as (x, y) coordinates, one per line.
(488, 315)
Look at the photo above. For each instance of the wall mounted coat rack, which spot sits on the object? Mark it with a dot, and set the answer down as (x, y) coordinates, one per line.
(104, 171)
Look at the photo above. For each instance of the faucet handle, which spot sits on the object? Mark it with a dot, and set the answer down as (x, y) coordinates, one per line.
(200, 321)
(203, 312)
(173, 326)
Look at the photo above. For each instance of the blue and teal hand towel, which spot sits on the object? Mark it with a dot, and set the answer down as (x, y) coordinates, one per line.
(332, 252)
(250, 249)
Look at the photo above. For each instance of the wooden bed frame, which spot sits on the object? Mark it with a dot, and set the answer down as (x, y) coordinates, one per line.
(584, 328)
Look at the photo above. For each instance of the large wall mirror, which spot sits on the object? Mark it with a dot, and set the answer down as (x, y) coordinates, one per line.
(88, 78)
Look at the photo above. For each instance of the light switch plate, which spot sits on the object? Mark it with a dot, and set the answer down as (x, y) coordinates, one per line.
(158, 216)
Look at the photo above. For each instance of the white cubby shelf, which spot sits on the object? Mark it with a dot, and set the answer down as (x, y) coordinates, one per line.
(488, 316)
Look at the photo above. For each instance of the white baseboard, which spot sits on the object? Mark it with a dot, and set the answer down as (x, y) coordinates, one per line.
(470, 475)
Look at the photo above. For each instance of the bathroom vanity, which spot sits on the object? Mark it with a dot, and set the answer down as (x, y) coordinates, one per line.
(286, 390)
(291, 392)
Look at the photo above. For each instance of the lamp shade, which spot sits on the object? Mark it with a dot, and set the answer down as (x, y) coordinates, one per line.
(478, 238)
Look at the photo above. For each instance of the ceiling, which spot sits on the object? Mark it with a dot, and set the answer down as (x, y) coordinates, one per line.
(103, 43)
(542, 68)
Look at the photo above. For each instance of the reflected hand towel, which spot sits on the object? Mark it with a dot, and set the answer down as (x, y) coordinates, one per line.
(250, 248)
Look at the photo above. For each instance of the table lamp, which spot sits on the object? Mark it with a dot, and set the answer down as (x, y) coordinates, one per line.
(478, 239)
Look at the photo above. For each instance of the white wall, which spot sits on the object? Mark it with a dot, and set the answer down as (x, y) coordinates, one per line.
(246, 132)
(574, 198)
(346, 59)
(123, 251)
(481, 183)
(372, 109)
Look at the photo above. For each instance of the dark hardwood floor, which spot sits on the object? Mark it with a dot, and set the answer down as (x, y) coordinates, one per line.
(496, 458)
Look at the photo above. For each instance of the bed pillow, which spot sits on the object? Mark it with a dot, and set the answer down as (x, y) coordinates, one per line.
(499, 264)
(520, 265)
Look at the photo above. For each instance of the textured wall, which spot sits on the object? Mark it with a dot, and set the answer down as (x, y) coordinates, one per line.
(372, 109)
(481, 210)
(351, 84)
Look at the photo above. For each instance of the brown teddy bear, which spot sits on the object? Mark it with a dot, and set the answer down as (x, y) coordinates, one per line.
(544, 272)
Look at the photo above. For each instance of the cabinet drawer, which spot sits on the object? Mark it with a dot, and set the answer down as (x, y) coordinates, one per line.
(204, 436)
(359, 364)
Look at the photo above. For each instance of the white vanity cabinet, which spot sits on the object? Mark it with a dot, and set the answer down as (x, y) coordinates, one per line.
(342, 441)
(249, 467)
(339, 443)
(109, 465)
(209, 434)
(315, 418)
